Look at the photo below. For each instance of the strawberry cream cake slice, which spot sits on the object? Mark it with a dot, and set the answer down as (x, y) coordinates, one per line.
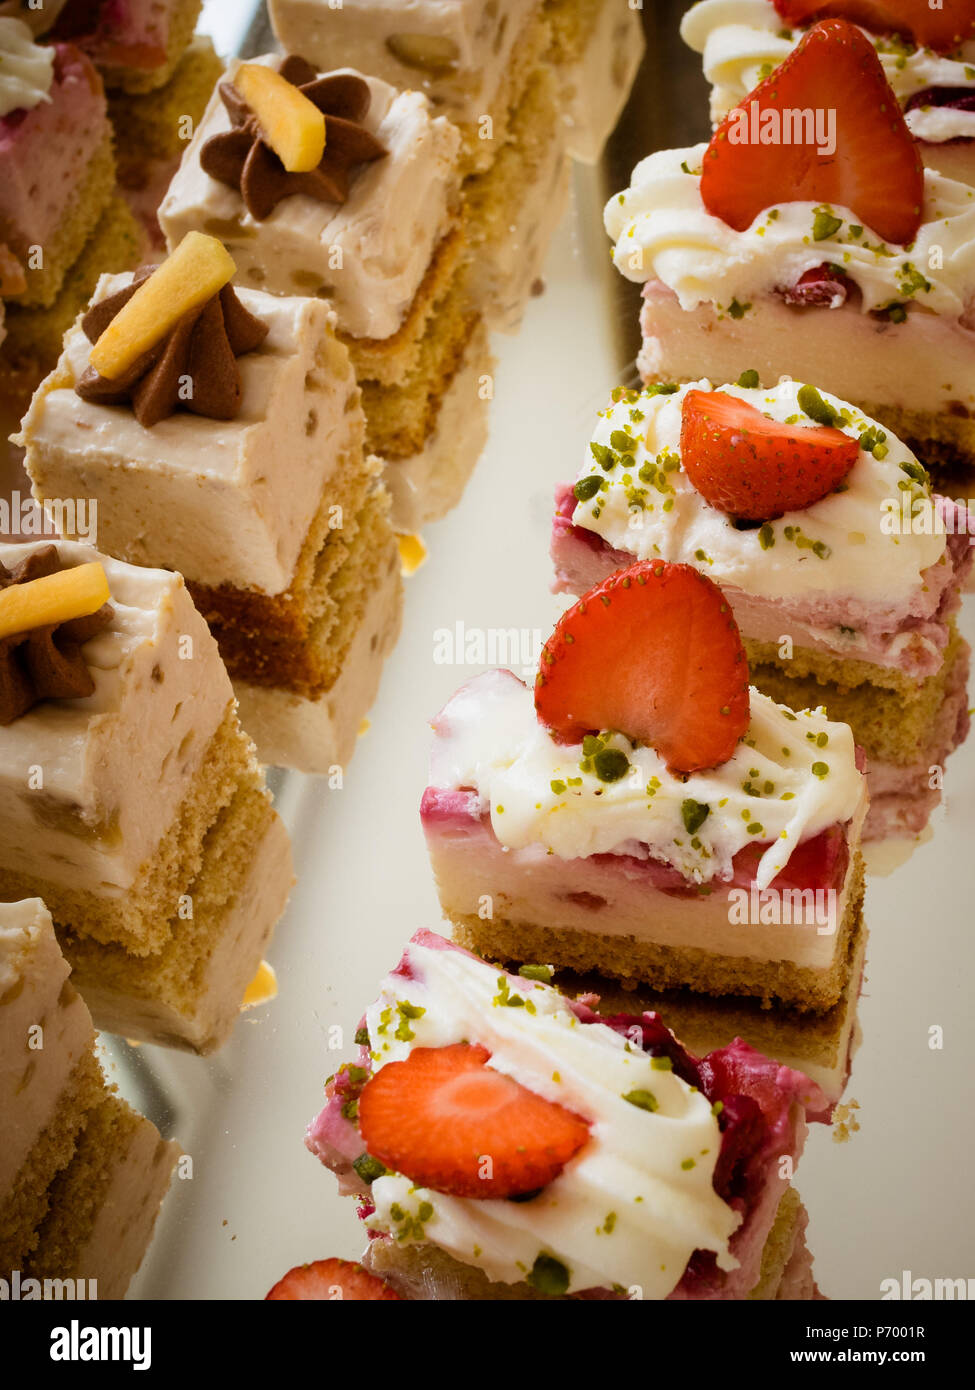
(646, 815)
(822, 252)
(843, 569)
(927, 52)
(508, 1143)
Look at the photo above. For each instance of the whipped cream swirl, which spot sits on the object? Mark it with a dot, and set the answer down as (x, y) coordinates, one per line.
(835, 548)
(663, 231)
(742, 40)
(26, 68)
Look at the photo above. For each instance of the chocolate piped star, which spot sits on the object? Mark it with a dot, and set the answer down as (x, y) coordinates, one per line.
(243, 160)
(45, 663)
(202, 348)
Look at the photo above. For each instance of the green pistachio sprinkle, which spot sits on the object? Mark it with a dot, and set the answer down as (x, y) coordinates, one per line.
(362, 1037)
(536, 972)
(687, 1164)
(424, 1211)
(737, 310)
(819, 769)
(717, 1107)
(586, 488)
(749, 378)
(610, 764)
(603, 455)
(591, 745)
(813, 405)
(766, 536)
(558, 787)
(622, 442)
(825, 224)
(694, 814)
(643, 1100)
(368, 1168)
(548, 1275)
(662, 1063)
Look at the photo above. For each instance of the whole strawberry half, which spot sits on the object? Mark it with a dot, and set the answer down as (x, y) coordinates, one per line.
(875, 169)
(755, 468)
(449, 1122)
(939, 26)
(330, 1281)
(654, 652)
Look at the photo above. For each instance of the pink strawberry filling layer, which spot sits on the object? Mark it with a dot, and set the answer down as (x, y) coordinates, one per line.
(44, 152)
(765, 1109)
(819, 862)
(123, 33)
(911, 639)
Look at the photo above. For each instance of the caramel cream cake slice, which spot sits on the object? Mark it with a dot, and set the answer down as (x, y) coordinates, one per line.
(130, 798)
(82, 1175)
(373, 224)
(841, 564)
(228, 445)
(648, 816)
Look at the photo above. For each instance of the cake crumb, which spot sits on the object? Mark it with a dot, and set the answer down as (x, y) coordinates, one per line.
(412, 554)
(845, 1122)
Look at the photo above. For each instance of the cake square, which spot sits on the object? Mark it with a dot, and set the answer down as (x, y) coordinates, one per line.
(839, 600)
(135, 46)
(871, 302)
(506, 1142)
(82, 1175)
(133, 803)
(278, 521)
(378, 231)
(712, 852)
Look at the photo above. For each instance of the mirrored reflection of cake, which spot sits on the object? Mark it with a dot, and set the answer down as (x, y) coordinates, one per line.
(130, 799)
(82, 1174)
(491, 69)
(228, 445)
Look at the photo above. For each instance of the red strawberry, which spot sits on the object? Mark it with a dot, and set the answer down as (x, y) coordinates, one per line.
(330, 1279)
(942, 28)
(755, 468)
(654, 652)
(440, 1114)
(875, 169)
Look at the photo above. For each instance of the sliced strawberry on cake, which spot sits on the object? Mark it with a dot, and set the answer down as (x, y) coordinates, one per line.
(807, 240)
(508, 1142)
(331, 1281)
(926, 51)
(841, 565)
(631, 817)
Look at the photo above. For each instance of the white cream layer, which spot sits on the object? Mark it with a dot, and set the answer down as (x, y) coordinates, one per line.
(663, 516)
(625, 1210)
(489, 739)
(89, 787)
(663, 231)
(26, 68)
(367, 256)
(740, 40)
